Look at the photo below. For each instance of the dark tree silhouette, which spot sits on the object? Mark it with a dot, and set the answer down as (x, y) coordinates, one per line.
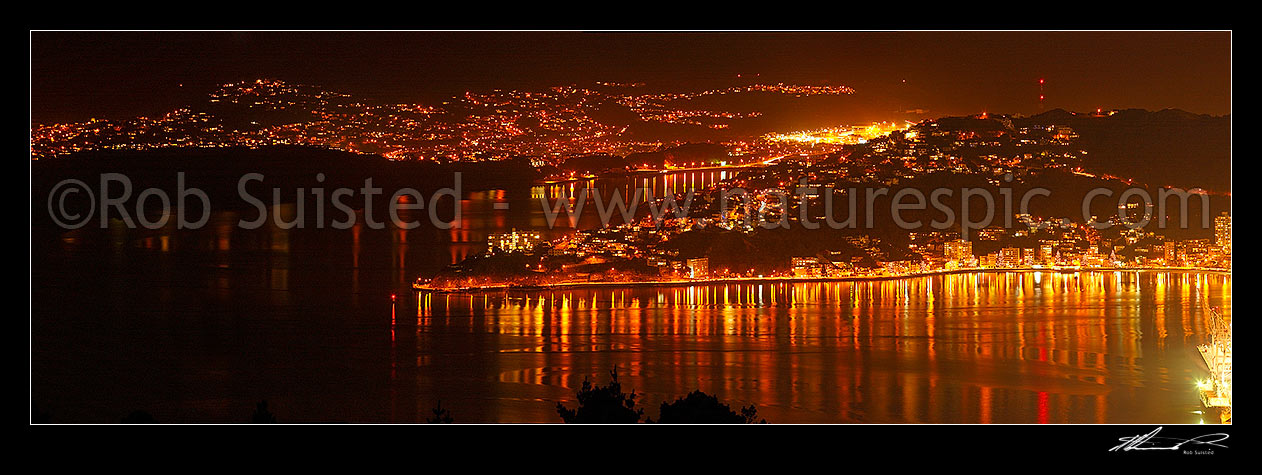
(701, 408)
(750, 413)
(602, 404)
(441, 416)
(139, 417)
(262, 415)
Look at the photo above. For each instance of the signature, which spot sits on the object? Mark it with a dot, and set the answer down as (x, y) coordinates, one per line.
(1150, 441)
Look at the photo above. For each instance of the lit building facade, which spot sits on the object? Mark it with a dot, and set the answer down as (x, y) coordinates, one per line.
(1222, 232)
(512, 241)
(959, 251)
(700, 267)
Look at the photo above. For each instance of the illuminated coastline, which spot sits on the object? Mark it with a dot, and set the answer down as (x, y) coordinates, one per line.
(422, 288)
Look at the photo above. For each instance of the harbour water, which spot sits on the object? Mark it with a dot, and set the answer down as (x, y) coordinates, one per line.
(200, 325)
(965, 348)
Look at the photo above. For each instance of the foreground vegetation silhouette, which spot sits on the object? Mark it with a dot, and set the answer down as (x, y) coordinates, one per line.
(602, 404)
(441, 416)
(609, 405)
(701, 408)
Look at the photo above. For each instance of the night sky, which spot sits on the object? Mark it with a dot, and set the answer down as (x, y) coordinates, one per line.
(76, 76)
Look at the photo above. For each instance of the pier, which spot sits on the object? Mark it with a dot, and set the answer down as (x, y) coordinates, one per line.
(1215, 391)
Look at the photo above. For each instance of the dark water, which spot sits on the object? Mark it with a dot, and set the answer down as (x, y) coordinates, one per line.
(199, 325)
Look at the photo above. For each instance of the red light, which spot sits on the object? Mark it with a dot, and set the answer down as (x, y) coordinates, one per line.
(1040, 81)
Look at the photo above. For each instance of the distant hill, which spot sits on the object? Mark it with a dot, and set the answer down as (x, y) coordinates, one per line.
(217, 171)
(1170, 147)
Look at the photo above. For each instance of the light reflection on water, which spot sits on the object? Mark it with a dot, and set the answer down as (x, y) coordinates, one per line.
(966, 348)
